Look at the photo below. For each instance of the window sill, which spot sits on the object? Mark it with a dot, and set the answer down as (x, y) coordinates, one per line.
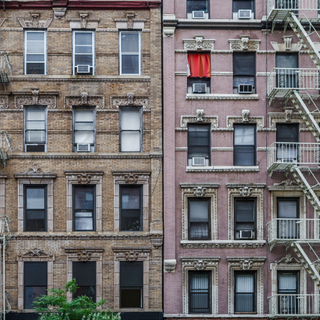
(223, 169)
(204, 244)
(206, 315)
(222, 96)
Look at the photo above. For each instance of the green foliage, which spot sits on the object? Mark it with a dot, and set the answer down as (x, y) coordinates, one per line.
(55, 306)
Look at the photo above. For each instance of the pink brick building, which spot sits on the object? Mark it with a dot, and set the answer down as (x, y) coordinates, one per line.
(241, 159)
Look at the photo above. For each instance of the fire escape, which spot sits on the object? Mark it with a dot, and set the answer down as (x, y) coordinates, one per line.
(302, 160)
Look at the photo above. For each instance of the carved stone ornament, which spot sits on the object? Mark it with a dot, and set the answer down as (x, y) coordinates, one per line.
(286, 183)
(169, 32)
(34, 253)
(130, 100)
(250, 119)
(34, 169)
(245, 115)
(246, 264)
(200, 113)
(244, 44)
(35, 22)
(157, 242)
(286, 45)
(198, 43)
(131, 178)
(170, 265)
(245, 192)
(287, 40)
(84, 178)
(84, 255)
(288, 259)
(200, 265)
(131, 255)
(130, 17)
(84, 99)
(199, 191)
(84, 20)
(288, 113)
(4, 102)
(206, 119)
(59, 13)
(35, 97)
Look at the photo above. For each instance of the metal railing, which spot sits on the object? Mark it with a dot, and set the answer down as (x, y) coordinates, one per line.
(294, 305)
(292, 5)
(293, 78)
(288, 229)
(293, 153)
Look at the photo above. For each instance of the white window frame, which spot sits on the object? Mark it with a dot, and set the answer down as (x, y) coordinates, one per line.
(74, 51)
(45, 49)
(140, 53)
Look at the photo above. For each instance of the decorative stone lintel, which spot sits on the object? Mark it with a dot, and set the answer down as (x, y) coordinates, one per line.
(244, 44)
(136, 172)
(169, 265)
(131, 254)
(77, 173)
(35, 254)
(222, 244)
(81, 249)
(84, 99)
(246, 185)
(200, 263)
(35, 97)
(130, 100)
(240, 259)
(198, 43)
(199, 117)
(35, 172)
(286, 45)
(288, 259)
(35, 22)
(245, 118)
(83, 22)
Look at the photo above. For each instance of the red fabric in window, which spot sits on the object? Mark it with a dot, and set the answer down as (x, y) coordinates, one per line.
(199, 65)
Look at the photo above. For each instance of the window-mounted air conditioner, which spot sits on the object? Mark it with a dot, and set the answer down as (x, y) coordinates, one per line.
(198, 14)
(35, 148)
(83, 68)
(199, 87)
(246, 234)
(244, 14)
(245, 88)
(83, 147)
(198, 161)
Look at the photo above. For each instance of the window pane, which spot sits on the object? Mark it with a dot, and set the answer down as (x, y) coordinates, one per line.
(37, 36)
(35, 215)
(199, 288)
(35, 47)
(83, 38)
(244, 303)
(35, 68)
(130, 141)
(35, 57)
(131, 274)
(287, 60)
(287, 282)
(130, 198)
(89, 291)
(287, 208)
(36, 125)
(288, 133)
(245, 283)
(83, 224)
(199, 210)
(83, 126)
(36, 114)
(35, 198)
(31, 294)
(245, 211)
(130, 119)
(35, 136)
(244, 156)
(197, 5)
(83, 59)
(244, 64)
(83, 198)
(83, 137)
(130, 64)
(129, 42)
(83, 115)
(131, 298)
(242, 4)
(244, 135)
(199, 230)
(84, 273)
(35, 273)
(83, 49)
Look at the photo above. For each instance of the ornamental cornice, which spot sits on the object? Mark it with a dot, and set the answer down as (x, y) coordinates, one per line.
(35, 172)
(204, 185)
(34, 98)
(244, 44)
(35, 254)
(130, 100)
(245, 185)
(284, 117)
(198, 43)
(84, 100)
(245, 118)
(131, 254)
(187, 244)
(199, 264)
(199, 118)
(35, 22)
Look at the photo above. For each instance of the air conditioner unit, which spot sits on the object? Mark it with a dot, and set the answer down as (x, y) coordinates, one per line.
(83, 147)
(199, 87)
(245, 88)
(244, 14)
(198, 15)
(246, 234)
(83, 68)
(35, 148)
(198, 161)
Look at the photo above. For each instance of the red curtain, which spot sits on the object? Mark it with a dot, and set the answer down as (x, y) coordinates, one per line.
(199, 65)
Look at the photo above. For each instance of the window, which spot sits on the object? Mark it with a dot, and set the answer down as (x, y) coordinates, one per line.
(131, 284)
(35, 129)
(83, 52)
(35, 52)
(197, 9)
(199, 219)
(287, 70)
(288, 214)
(199, 73)
(83, 208)
(288, 290)
(287, 142)
(85, 275)
(244, 140)
(84, 129)
(130, 206)
(199, 144)
(199, 292)
(245, 219)
(35, 282)
(244, 72)
(130, 52)
(35, 204)
(130, 129)
(245, 292)
(243, 9)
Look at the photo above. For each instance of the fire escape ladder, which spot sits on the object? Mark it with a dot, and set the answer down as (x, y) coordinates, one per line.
(304, 36)
(305, 112)
(305, 186)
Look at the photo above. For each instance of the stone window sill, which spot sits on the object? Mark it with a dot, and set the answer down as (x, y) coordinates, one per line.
(216, 96)
(223, 244)
(223, 169)
(206, 315)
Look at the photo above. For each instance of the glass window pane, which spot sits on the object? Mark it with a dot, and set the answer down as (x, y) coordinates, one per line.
(131, 298)
(287, 282)
(129, 42)
(31, 294)
(37, 36)
(130, 198)
(83, 198)
(130, 64)
(35, 136)
(35, 215)
(245, 211)
(83, 59)
(83, 38)
(198, 210)
(244, 303)
(199, 230)
(244, 135)
(287, 208)
(35, 198)
(35, 68)
(84, 224)
(197, 5)
(36, 125)
(83, 49)
(83, 126)
(35, 47)
(245, 283)
(33, 114)
(130, 141)
(130, 119)
(35, 57)
(83, 137)
(83, 115)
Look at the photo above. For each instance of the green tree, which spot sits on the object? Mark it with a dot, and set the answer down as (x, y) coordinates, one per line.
(55, 306)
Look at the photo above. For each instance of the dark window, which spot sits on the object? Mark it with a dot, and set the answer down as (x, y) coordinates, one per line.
(130, 129)
(35, 205)
(85, 275)
(288, 289)
(197, 5)
(245, 292)
(198, 143)
(131, 208)
(244, 72)
(199, 292)
(287, 142)
(199, 218)
(242, 5)
(287, 70)
(84, 128)
(244, 138)
(245, 219)
(288, 214)
(84, 208)
(131, 284)
(35, 129)
(35, 282)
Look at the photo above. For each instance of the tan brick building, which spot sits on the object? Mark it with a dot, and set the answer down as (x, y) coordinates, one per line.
(83, 184)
